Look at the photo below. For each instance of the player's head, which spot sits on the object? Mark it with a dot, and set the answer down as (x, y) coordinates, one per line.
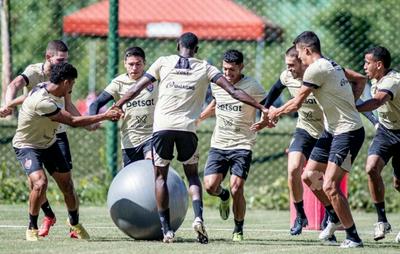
(56, 52)
(232, 65)
(134, 62)
(307, 43)
(376, 61)
(188, 41)
(63, 75)
(293, 63)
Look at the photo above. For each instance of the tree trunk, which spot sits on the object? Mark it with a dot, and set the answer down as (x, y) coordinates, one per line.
(5, 48)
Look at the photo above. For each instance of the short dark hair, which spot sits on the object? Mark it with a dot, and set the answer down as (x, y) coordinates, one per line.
(292, 52)
(309, 39)
(135, 51)
(57, 46)
(233, 56)
(62, 71)
(188, 40)
(380, 53)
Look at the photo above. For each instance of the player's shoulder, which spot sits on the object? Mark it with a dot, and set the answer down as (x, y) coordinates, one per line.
(36, 67)
(286, 77)
(393, 75)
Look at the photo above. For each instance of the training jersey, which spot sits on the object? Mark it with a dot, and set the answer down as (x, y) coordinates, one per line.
(34, 75)
(311, 117)
(137, 125)
(389, 113)
(35, 129)
(234, 118)
(334, 94)
(183, 84)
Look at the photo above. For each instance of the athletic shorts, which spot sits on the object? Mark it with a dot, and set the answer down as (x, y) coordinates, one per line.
(385, 144)
(236, 161)
(130, 155)
(163, 147)
(51, 158)
(302, 142)
(63, 143)
(340, 149)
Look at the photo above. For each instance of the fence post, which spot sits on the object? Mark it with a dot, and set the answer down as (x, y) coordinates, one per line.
(112, 69)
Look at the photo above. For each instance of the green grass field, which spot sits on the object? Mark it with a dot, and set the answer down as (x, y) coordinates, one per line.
(265, 232)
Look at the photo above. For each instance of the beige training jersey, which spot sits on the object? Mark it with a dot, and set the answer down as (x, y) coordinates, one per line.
(35, 128)
(234, 118)
(334, 94)
(137, 125)
(311, 117)
(183, 85)
(34, 75)
(389, 113)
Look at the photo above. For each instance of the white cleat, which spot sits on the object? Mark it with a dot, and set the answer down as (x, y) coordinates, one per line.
(381, 229)
(169, 237)
(200, 229)
(351, 244)
(398, 238)
(328, 232)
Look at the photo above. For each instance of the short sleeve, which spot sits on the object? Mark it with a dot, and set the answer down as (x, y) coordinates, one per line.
(313, 76)
(47, 107)
(113, 89)
(390, 86)
(154, 71)
(213, 73)
(283, 77)
(30, 77)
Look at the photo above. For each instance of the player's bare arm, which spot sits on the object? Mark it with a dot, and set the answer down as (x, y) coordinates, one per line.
(380, 98)
(357, 82)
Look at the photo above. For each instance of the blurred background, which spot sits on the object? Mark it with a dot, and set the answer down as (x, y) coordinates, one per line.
(261, 29)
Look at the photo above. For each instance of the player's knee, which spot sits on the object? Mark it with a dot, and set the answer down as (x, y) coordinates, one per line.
(314, 179)
(39, 185)
(372, 169)
(236, 190)
(211, 187)
(330, 188)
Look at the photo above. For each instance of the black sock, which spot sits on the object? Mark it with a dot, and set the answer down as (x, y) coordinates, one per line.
(351, 234)
(198, 208)
(380, 209)
(47, 210)
(332, 214)
(224, 195)
(300, 209)
(33, 221)
(238, 226)
(165, 220)
(73, 217)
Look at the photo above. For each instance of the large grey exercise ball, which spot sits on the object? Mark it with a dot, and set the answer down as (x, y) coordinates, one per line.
(132, 203)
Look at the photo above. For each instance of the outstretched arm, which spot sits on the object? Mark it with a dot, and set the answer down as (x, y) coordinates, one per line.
(273, 94)
(10, 102)
(100, 101)
(134, 91)
(379, 99)
(357, 82)
(208, 111)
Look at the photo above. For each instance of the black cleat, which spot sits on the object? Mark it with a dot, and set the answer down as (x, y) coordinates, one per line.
(298, 226)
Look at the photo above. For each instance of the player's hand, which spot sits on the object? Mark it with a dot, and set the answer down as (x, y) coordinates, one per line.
(114, 113)
(272, 114)
(6, 111)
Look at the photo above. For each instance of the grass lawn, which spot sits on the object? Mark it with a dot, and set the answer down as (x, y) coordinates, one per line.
(265, 232)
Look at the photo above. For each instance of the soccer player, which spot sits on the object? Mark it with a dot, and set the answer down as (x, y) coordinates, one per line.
(137, 125)
(34, 74)
(35, 145)
(338, 146)
(232, 142)
(183, 81)
(386, 143)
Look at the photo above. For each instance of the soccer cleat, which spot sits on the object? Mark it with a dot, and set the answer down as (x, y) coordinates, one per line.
(381, 229)
(224, 209)
(237, 236)
(78, 231)
(325, 220)
(169, 237)
(46, 224)
(351, 244)
(398, 238)
(200, 229)
(331, 240)
(329, 230)
(32, 235)
(298, 226)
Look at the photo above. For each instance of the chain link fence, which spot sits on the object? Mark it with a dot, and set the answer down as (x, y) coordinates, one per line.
(346, 29)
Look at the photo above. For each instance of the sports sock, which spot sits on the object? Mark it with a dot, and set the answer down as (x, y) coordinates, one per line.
(73, 217)
(224, 195)
(332, 214)
(300, 209)
(238, 226)
(380, 209)
(351, 234)
(164, 219)
(47, 210)
(198, 208)
(33, 219)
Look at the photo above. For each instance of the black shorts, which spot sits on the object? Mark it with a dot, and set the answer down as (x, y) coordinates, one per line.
(63, 143)
(340, 149)
(163, 144)
(130, 155)
(221, 161)
(302, 142)
(386, 144)
(52, 158)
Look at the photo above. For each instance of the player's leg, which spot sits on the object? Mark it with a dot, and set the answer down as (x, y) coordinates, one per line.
(396, 181)
(163, 148)
(214, 173)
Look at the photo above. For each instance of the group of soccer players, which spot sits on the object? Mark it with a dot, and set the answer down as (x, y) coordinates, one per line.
(161, 108)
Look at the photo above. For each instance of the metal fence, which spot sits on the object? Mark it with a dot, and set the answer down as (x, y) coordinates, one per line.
(261, 29)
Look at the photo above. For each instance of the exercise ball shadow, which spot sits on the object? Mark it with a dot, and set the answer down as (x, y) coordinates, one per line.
(132, 203)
